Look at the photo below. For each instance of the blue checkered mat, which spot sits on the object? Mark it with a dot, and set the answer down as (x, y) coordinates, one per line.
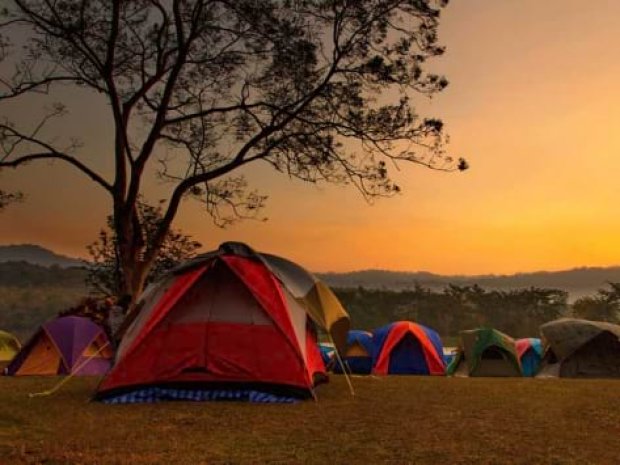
(156, 394)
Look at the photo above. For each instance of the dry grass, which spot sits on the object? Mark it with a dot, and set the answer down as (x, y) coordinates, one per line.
(394, 420)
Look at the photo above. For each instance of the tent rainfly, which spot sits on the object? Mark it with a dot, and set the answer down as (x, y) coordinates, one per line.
(580, 349)
(530, 353)
(407, 348)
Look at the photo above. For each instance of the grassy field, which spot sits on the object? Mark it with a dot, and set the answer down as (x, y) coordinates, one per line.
(394, 420)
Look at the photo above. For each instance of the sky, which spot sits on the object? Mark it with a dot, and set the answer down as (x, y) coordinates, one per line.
(533, 104)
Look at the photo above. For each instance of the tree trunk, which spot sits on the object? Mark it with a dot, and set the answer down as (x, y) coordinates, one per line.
(133, 278)
(131, 255)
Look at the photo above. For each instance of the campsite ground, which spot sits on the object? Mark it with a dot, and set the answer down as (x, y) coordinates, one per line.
(393, 420)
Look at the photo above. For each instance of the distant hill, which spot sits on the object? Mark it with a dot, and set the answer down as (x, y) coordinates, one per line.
(36, 255)
(31, 276)
(577, 282)
(31, 294)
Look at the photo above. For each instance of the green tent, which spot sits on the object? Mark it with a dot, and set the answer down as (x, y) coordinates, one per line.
(580, 349)
(9, 346)
(485, 352)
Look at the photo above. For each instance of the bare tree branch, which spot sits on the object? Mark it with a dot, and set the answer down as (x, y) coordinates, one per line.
(321, 91)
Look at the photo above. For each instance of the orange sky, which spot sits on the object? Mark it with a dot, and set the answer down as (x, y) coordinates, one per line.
(533, 104)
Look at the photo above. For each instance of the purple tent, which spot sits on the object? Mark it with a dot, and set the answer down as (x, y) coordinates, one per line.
(70, 344)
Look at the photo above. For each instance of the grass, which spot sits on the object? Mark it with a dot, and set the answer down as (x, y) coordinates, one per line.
(393, 420)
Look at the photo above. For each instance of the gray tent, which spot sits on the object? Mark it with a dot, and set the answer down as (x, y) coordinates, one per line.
(580, 349)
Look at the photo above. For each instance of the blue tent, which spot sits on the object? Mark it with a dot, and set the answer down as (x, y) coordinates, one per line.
(358, 355)
(530, 352)
(407, 348)
(327, 354)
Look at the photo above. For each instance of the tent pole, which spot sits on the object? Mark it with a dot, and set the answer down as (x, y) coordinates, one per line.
(69, 376)
(341, 363)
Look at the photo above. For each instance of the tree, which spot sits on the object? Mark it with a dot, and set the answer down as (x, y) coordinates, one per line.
(6, 197)
(518, 312)
(103, 271)
(603, 306)
(318, 89)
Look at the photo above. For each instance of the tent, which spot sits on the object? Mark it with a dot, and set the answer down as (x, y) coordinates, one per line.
(327, 353)
(66, 345)
(9, 346)
(232, 323)
(580, 349)
(530, 353)
(485, 352)
(448, 354)
(406, 348)
(357, 357)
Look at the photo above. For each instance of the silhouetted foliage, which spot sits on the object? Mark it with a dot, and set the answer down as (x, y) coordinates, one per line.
(517, 312)
(30, 294)
(603, 306)
(103, 271)
(28, 276)
(318, 90)
(7, 198)
(93, 308)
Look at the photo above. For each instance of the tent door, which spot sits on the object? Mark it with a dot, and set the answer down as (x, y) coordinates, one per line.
(494, 362)
(407, 357)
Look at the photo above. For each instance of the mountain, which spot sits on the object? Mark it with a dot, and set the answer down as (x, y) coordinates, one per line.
(36, 255)
(577, 282)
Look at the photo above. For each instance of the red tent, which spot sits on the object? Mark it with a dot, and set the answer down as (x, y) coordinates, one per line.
(224, 321)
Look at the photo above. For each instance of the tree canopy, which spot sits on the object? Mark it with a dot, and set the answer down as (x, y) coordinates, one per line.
(103, 267)
(7, 198)
(602, 306)
(320, 90)
(518, 312)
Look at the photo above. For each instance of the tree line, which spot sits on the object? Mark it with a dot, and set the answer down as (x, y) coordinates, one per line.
(517, 312)
(31, 294)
